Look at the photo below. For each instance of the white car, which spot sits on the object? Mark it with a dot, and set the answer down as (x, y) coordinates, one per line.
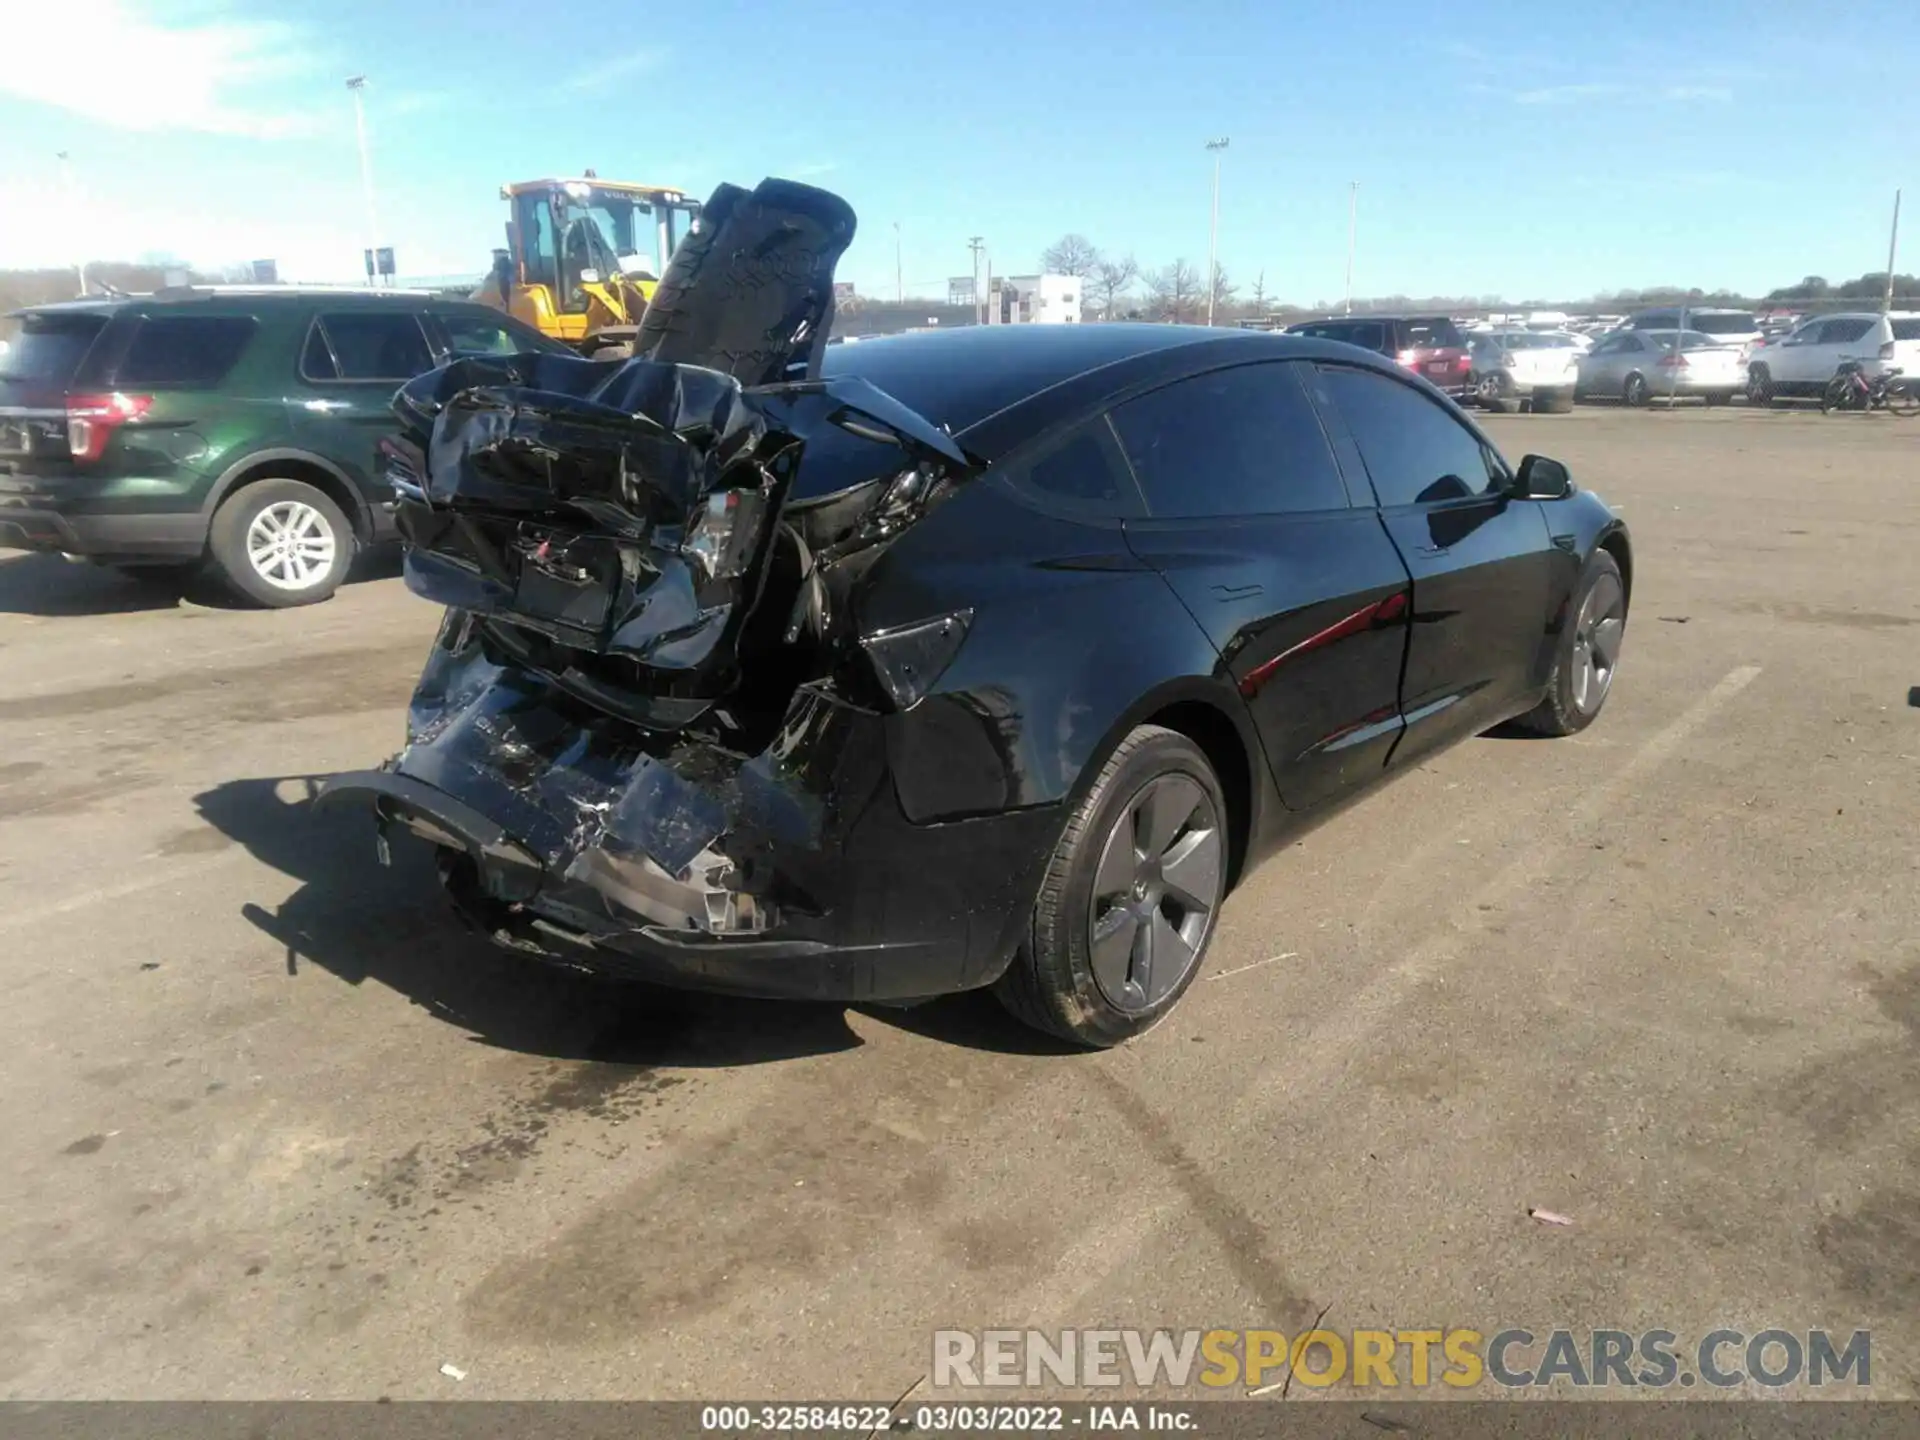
(1636, 366)
(1509, 366)
(1802, 361)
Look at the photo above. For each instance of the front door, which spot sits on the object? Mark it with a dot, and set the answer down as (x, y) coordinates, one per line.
(350, 365)
(1299, 589)
(1482, 564)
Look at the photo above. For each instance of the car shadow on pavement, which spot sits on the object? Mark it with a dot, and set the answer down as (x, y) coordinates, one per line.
(360, 921)
(53, 587)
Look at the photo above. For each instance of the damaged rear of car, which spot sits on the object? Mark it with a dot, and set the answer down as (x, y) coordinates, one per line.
(652, 734)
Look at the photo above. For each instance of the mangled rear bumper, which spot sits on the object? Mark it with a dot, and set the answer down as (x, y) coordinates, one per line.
(787, 873)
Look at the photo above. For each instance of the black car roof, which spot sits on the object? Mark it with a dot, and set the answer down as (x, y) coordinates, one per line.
(959, 377)
(109, 305)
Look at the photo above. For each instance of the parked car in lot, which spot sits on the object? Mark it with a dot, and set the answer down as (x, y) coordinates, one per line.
(1511, 366)
(1728, 327)
(992, 656)
(1636, 366)
(1431, 346)
(230, 428)
(1801, 362)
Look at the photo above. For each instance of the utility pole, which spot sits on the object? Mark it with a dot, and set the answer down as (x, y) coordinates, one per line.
(899, 284)
(358, 84)
(976, 245)
(1893, 250)
(1213, 238)
(73, 219)
(1353, 217)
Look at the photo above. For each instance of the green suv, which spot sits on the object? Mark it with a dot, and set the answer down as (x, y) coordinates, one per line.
(231, 429)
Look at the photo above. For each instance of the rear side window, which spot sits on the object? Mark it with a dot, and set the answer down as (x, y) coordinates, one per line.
(49, 348)
(480, 335)
(1416, 452)
(1244, 441)
(1844, 332)
(1906, 329)
(1730, 324)
(366, 345)
(184, 349)
(1079, 470)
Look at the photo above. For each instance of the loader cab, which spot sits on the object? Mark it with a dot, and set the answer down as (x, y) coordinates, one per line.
(583, 256)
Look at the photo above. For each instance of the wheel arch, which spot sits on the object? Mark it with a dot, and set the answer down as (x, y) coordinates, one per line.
(303, 465)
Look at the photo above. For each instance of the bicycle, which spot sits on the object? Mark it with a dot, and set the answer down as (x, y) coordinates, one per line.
(1890, 390)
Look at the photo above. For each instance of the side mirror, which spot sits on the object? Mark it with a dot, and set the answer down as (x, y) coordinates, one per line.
(1539, 478)
(589, 277)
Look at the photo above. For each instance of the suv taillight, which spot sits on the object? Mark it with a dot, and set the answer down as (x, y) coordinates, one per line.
(1409, 358)
(1886, 350)
(92, 419)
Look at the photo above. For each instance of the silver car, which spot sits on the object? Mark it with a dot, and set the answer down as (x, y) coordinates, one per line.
(1636, 366)
(1514, 365)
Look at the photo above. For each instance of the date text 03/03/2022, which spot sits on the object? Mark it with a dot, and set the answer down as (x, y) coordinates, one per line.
(964, 1417)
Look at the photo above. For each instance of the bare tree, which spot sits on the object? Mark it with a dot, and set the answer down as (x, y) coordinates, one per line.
(1175, 291)
(1111, 280)
(1260, 294)
(1073, 255)
(1223, 292)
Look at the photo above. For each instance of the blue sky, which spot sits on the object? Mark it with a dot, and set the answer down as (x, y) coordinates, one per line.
(1531, 150)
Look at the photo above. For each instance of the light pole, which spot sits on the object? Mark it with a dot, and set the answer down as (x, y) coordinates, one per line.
(66, 185)
(976, 244)
(1213, 237)
(899, 285)
(358, 84)
(1893, 250)
(1353, 216)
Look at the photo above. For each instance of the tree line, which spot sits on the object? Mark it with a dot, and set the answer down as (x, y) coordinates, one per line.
(1117, 287)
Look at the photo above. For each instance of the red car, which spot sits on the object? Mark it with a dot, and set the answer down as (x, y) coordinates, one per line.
(1429, 345)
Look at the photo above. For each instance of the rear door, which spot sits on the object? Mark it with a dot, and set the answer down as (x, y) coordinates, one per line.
(351, 362)
(1481, 566)
(462, 330)
(1299, 590)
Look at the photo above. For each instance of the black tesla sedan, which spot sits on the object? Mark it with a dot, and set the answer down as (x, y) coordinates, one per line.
(991, 657)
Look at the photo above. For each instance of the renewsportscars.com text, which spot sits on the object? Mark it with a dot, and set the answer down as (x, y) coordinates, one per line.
(1457, 1357)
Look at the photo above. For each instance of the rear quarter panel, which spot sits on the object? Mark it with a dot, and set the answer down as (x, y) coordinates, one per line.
(1073, 640)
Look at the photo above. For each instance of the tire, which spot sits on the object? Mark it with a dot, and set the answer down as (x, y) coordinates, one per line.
(307, 568)
(1760, 390)
(1571, 703)
(1553, 402)
(1082, 973)
(1489, 391)
(1635, 392)
(1837, 395)
(1903, 397)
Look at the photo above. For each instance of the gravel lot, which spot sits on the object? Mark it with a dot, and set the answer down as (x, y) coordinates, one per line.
(277, 1128)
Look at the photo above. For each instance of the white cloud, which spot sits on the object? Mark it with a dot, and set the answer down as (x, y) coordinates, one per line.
(1718, 94)
(1565, 94)
(609, 72)
(141, 72)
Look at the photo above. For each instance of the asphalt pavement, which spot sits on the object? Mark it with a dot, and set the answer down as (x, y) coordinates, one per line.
(277, 1127)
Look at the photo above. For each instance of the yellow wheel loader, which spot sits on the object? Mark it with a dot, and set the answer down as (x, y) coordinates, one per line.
(583, 257)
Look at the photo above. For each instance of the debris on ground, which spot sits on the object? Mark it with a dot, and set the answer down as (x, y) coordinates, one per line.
(1549, 1217)
(1676, 619)
(453, 1372)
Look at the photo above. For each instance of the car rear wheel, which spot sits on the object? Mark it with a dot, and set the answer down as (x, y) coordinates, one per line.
(1760, 386)
(1553, 402)
(281, 543)
(1129, 899)
(1587, 655)
(1635, 391)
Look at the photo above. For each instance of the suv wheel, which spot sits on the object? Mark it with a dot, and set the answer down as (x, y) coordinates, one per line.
(1760, 386)
(280, 543)
(1129, 899)
(1635, 391)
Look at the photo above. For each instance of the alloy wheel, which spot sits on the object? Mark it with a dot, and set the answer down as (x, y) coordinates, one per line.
(1155, 892)
(290, 545)
(1596, 642)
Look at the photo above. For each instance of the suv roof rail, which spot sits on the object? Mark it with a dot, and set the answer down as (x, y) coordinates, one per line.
(172, 291)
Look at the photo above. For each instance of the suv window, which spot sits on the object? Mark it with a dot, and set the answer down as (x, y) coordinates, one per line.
(49, 348)
(365, 345)
(1732, 322)
(1244, 441)
(1844, 332)
(1435, 334)
(1906, 329)
(1655, 320)
(469, 334)
(195, 350)
(1415, 451)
